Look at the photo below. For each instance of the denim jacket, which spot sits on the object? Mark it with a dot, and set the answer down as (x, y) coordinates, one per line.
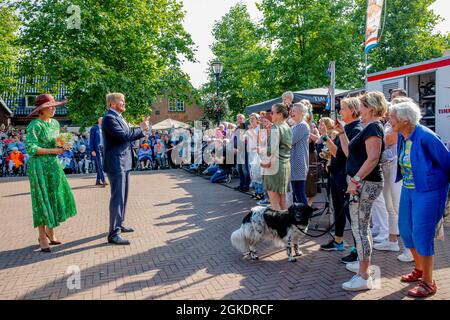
(430, 160)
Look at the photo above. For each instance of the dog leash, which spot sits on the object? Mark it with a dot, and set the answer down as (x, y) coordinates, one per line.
(346, 204)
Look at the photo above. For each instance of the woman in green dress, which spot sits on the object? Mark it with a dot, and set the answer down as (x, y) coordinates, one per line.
(51, 197)
(277, 166)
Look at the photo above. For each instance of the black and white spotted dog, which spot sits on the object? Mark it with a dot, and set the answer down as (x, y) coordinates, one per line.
(282, 228)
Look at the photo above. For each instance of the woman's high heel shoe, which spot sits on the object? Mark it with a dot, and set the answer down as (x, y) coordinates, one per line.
(44, 249)
(52, 242)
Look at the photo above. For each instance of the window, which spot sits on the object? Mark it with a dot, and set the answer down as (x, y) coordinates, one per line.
(176, 105)
(157, 112)
(30, 100)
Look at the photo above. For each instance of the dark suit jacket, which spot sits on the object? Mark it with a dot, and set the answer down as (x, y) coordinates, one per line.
(95, 138)
(117, 138)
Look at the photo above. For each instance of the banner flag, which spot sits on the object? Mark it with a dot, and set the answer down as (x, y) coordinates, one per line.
(374, 10)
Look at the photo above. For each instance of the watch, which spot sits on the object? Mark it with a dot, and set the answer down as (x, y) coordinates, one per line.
(357, 178)
(324, 138)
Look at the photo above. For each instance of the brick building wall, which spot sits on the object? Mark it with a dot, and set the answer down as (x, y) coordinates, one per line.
(192, 112)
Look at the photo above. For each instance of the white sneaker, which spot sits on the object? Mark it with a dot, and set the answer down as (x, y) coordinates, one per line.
(380, 238)
(406, 256)
(352, 266)
(387, 246)
(357, 283)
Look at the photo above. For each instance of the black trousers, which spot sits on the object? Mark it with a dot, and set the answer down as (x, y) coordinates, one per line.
(338, 186)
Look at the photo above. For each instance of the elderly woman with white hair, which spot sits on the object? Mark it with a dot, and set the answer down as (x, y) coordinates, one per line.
(287, 99)
(424, 167)
(83, 159)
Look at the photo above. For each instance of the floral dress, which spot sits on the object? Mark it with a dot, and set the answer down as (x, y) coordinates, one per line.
(51, 197)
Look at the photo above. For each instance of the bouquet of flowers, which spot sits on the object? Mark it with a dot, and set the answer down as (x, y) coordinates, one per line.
(65, 140)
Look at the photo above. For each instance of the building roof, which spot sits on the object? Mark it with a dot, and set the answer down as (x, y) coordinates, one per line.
(16, 102)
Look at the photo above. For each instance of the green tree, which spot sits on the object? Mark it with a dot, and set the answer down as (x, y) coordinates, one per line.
(8, 48)
(238, 46)
(291, 47)
(408, 35)
(130, 46)
(306, 35)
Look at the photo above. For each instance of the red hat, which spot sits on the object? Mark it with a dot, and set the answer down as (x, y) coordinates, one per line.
(45, 100)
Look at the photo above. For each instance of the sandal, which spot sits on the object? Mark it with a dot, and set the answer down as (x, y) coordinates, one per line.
(53, 242)
(47, 250)
(414, 276)
(423, 290)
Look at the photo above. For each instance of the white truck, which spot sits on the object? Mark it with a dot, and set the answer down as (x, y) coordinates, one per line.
(428, 83)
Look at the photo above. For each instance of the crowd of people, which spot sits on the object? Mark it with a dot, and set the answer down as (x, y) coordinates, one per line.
(379, 183)
(153, 152)
(388, 175)
(13, 154)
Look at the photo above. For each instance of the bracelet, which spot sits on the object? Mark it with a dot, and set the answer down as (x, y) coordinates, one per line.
(355, 182)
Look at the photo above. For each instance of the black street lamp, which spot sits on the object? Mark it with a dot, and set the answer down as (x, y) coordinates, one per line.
(217, 68)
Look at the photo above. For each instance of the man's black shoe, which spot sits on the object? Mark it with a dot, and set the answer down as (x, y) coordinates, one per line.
(352, 257)
(239, 188)
(118, 240)
(245, 189)
(125, 229)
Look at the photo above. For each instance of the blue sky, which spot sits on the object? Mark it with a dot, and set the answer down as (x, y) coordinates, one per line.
(201, 15)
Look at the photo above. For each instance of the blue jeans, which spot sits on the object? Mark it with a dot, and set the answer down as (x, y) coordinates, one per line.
(213, 169)
(258, 188)
(299, 191)
(244, 175)
(418, 216)
(219, 176)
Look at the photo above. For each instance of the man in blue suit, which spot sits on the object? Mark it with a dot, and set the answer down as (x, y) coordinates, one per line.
(96, 144)
(117, 139)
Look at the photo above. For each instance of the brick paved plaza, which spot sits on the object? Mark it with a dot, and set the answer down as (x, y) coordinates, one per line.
(180, 250)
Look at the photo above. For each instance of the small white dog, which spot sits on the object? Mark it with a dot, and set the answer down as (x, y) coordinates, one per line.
(282, 228)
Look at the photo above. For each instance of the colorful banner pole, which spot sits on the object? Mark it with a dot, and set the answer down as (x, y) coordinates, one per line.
(374, 10)
(373, 22)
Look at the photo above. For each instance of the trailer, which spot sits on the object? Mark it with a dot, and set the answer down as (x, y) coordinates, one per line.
(428, 83)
